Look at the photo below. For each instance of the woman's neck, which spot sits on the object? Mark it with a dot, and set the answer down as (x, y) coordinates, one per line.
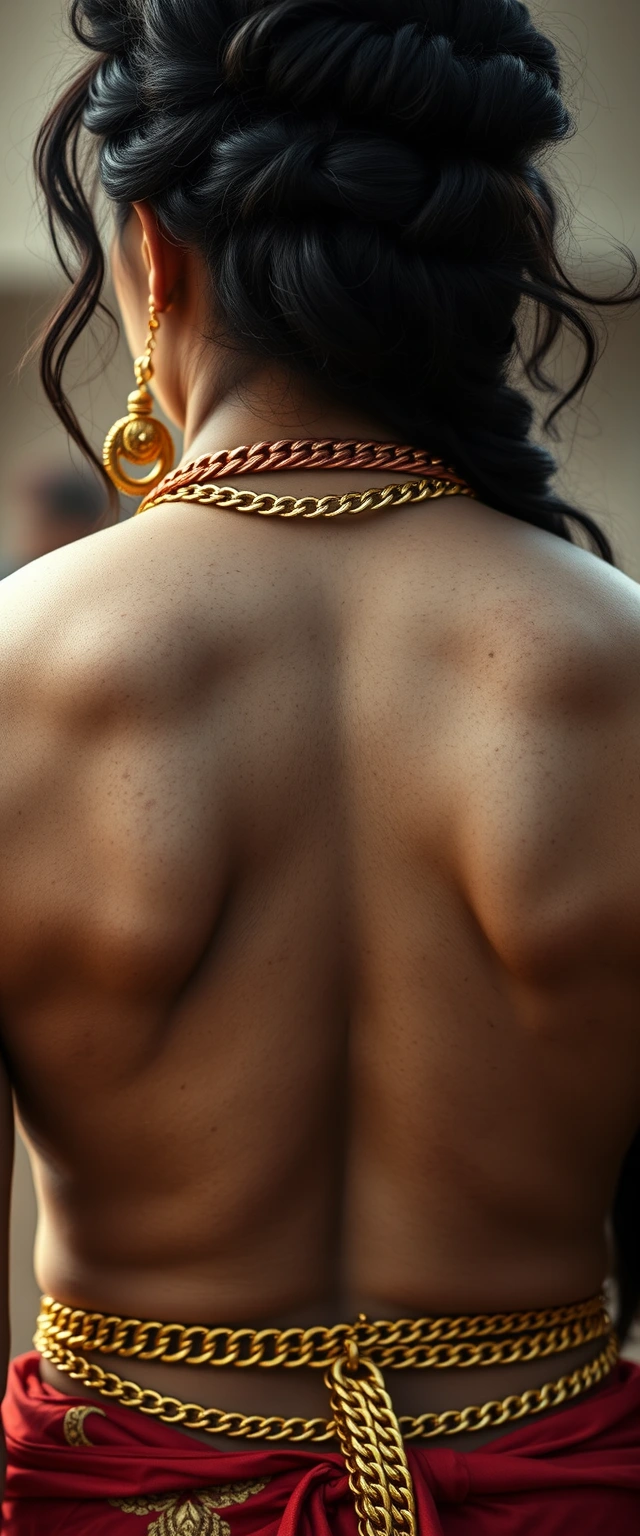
(271, 405)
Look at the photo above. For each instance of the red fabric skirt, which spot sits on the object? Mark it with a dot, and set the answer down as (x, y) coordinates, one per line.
(574, 1473)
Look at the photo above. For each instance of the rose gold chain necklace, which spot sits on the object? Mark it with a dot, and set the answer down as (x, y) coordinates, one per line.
(308, 453)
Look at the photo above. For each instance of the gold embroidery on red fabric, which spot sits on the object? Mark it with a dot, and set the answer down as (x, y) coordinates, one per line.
(190, 1514)
(73, 1424)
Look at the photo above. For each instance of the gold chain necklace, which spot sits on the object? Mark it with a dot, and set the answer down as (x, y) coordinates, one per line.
(351, 503)
(305, 453)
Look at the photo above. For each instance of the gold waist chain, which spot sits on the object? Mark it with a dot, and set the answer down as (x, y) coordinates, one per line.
(352, 1357)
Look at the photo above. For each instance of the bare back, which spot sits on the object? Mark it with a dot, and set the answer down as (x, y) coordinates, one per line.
(320, 911)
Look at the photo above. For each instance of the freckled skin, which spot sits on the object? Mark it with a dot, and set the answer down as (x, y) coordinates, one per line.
(320, 921)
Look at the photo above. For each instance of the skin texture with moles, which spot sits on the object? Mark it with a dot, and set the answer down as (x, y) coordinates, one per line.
(319, 898)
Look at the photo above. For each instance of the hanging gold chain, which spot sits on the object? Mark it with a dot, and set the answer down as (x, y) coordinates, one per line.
(371, 1443)
(266, 504)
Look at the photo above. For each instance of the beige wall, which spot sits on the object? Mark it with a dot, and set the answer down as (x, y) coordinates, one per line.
(600, 449)
(35, 55)
(23, 1289)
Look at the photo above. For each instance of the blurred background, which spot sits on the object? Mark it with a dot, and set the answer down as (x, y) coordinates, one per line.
(44, 498)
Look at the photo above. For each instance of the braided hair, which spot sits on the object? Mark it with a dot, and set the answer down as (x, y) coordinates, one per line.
(364, 180)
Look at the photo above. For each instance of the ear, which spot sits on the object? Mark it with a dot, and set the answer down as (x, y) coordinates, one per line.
(162, 258)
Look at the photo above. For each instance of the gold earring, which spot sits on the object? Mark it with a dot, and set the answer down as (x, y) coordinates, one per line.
(139, 437)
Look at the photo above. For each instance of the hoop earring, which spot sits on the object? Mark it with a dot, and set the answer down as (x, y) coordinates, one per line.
(139, 437)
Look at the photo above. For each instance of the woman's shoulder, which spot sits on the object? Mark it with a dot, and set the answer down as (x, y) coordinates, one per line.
(560, 613)
(86, 620)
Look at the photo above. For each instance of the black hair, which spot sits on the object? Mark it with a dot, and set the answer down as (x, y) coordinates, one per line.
(365, 179)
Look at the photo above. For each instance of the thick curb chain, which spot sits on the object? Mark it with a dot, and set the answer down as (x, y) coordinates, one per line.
(370, 1436)
(408, 1343)
(352, 503)
(307, 453)
(371, 1443)
(491, 1415)
(214, 1421)
(425, 1426)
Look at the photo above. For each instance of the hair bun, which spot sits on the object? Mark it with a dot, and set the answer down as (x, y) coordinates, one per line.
(266, 170)
(358, 180)
(113, 102)
(478, 76)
